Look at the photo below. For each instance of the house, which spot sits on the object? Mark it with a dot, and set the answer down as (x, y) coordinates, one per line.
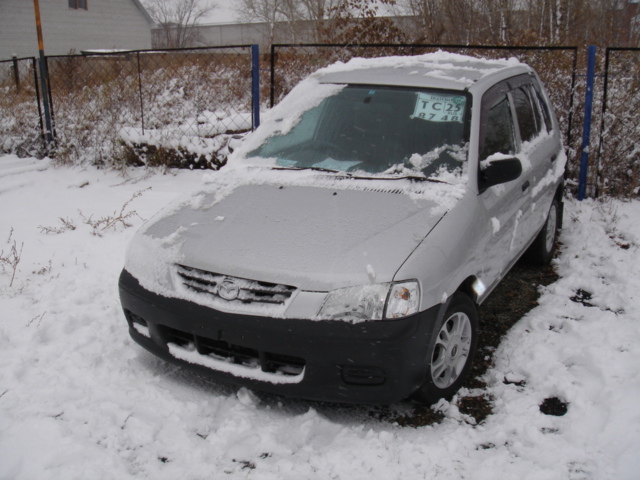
(73, 25)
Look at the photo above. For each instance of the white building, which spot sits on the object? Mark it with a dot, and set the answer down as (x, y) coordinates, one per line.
(73, 25)
(231, 34)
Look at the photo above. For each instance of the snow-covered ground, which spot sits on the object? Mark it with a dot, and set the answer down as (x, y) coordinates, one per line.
(80, 400)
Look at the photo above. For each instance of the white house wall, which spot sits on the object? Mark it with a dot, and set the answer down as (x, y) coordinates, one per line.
(106, 24)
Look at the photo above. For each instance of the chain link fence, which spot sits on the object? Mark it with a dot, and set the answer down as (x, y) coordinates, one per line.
(176, 108)
(618, 167)
(179, 108)
(20, 110)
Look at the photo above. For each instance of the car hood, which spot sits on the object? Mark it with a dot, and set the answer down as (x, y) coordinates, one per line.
(316, 239)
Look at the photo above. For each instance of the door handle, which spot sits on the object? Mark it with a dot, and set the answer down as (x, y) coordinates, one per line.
(525, 185)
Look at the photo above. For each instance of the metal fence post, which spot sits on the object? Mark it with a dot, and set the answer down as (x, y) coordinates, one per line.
(272, 81)
(586, 132)
(16, 73)
(34, 69)
(140, 92)
(255, 84)
(46, 101)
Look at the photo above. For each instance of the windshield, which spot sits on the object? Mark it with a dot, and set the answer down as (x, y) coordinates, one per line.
(372, 130)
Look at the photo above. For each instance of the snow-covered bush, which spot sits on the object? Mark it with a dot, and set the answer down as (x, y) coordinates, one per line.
(174, 109)
(619, 154)
(20, 129)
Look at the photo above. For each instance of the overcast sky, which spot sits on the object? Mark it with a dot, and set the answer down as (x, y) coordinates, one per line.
(223, 13)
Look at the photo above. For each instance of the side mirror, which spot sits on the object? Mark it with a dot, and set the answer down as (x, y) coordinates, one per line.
(500, 171)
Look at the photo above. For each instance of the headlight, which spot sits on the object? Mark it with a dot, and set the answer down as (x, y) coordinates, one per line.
(404, 299)
(368, 302)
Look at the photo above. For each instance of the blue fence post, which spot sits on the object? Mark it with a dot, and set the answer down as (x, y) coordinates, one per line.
(586, 131)
(255, 84)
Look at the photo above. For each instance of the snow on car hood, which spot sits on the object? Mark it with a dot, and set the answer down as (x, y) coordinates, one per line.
(315, 232)
(313, 238)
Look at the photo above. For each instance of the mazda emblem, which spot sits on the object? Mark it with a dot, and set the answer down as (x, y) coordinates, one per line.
(228, 290)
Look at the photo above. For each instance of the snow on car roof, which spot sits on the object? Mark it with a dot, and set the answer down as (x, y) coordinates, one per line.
(437, 70)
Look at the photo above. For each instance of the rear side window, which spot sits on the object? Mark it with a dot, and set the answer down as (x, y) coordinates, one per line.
(544, 107)
(536, 110)
(529, 127)
(499, 136)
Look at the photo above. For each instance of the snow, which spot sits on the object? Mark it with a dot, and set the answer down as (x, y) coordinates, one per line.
(450, 67)
(246, 371)
(285, 115)
(495, 225)
(79, 399)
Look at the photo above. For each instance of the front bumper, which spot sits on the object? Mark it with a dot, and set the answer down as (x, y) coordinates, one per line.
(377, 362)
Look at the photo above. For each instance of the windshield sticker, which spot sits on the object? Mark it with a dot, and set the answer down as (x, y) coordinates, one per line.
(440, 107)
(338, 165)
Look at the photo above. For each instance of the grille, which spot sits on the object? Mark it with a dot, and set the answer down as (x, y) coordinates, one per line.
(220, 350)
(233, 289)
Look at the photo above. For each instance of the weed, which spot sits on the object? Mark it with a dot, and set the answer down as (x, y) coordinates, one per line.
(66, 224)
(38, 318)
(44, 270)
(9, 261)
(112, 221)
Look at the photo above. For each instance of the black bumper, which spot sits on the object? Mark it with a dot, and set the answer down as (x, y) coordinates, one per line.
(378, 362)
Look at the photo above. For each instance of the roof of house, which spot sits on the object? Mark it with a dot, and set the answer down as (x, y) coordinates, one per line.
(143, 11)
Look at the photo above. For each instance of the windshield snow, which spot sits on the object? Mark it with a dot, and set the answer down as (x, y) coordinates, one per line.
(376, 130)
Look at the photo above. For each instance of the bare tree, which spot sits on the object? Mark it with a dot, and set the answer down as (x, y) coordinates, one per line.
(428, 14)
(293, 12)
(269, 12)
(289, 20)
(359, 22)
(316, 12)
(496, 21)
(177, 19)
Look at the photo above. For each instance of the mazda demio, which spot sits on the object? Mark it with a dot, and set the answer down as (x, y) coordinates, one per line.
(343, 251)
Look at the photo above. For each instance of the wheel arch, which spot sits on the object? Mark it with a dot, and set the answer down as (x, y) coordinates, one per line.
(469, 288)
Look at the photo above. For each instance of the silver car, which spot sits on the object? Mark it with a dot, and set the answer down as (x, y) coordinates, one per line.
(343, 251)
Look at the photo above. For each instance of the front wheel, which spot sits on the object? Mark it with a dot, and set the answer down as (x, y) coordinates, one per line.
(450, 351)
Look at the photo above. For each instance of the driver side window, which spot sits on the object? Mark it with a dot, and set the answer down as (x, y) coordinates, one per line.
(499, 133)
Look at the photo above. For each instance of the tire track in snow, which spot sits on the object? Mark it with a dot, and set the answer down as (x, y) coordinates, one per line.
(12, 172)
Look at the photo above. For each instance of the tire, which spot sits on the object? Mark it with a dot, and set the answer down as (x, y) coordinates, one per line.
(543, 247)
(450, 351)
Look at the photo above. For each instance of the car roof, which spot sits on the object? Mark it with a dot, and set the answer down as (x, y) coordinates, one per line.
(435, 70)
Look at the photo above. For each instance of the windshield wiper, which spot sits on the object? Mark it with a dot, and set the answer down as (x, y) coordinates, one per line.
(414, 178)
(315, 169)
